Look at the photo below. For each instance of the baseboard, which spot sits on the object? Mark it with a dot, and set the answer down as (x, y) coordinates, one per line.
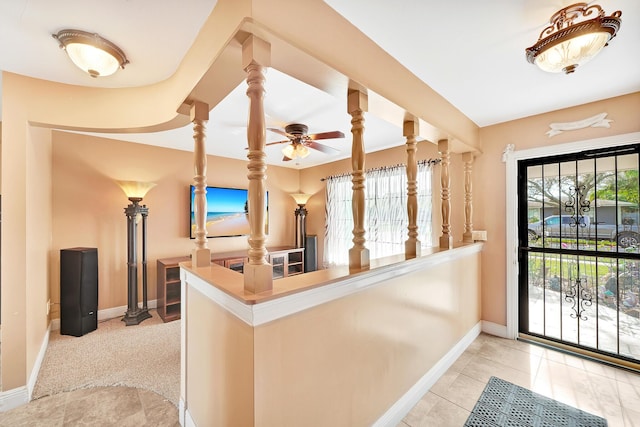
(181, 410)
(188, 421)
(13, 398)
(494, 329)
(401, 408)
(106, 314)
(36, 366)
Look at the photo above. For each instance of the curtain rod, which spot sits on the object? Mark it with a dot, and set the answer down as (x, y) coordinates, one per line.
(420, 162)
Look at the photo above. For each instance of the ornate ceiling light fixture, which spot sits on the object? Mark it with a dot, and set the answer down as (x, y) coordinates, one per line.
(91, 53)
(573, 38)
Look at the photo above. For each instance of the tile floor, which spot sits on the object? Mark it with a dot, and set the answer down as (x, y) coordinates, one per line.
(611, 393)
(599, 389)
(97, 406)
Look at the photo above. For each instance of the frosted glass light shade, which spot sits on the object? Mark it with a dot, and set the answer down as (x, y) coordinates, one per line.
(301, 198)
(303, 151)
(91, 53)
(295, 150)
(572, 53)
(92, 60)
(288, 151)
(136, 189)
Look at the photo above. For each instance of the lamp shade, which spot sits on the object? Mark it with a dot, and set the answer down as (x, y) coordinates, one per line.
(576, 34)
(289, 151)
(295, 150)
(91, 53)
(572, 53)
(301, 198)
(303, 151)
(136, 189)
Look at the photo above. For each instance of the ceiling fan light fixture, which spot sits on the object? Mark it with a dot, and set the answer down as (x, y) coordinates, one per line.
(289, 151)
(573, 38)
(293, 151)
(303, 151)
(91, 53)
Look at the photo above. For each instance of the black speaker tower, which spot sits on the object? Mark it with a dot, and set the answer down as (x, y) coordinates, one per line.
(310, 251)
(78, 291)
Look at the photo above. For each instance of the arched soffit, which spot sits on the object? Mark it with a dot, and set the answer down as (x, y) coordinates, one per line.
(332, 57)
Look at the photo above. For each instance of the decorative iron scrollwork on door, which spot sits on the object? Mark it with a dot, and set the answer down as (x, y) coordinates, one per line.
(579, 296)
(577, 205)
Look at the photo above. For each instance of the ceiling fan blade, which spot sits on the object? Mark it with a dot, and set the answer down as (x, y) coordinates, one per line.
(286, 159)
(326, 135)
(281, 132)
(320, 147)
(279, 142)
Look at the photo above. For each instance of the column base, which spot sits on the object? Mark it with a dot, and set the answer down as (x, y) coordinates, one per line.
(200, 257)
(358, 258)
(446, 242)
(258, 278)
(467, 237)
(412, 249)
(135, 316)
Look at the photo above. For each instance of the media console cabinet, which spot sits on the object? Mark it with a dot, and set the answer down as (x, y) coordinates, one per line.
(286, 262)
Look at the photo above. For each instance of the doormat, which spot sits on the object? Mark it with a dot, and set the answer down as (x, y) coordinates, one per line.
(505, 404)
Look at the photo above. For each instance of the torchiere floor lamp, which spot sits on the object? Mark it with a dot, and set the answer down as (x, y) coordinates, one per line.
(301, 218)
(135, 191)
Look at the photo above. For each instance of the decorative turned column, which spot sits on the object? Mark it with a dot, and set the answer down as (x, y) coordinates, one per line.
(467, 236)
(412, 244)
(200, 255)
(258, 273)
(356, 106)
(446, 240)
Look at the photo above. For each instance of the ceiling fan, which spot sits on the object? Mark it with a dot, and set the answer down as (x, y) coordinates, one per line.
(300, 142)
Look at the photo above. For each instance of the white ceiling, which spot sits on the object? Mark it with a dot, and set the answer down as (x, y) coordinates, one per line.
(471, 52)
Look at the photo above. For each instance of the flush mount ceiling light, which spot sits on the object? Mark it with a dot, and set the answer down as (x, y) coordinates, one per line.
(576, 34)
(91, 53)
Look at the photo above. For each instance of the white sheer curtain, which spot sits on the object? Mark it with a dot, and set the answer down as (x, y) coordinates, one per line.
(385, 218)
(425, 172)
(339, 221)
(385, 213)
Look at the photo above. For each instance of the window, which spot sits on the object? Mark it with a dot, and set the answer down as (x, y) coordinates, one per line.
(386, 218)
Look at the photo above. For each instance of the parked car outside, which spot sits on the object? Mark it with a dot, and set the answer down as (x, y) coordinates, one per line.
(626, 234)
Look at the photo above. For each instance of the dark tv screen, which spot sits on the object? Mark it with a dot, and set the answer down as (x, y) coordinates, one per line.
(227, 212)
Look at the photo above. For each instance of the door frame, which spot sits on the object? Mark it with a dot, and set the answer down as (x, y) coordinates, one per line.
(511, 160)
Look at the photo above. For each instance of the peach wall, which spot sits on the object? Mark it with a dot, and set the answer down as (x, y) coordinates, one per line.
(38, 238)
(359, 354)
(27, 208)
(310, 182)
(14, 241)
(344, 362)
(88, 206)
(489, 199)
(220, 365)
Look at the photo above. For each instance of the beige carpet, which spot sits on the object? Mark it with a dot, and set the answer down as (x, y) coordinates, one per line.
(143, 356)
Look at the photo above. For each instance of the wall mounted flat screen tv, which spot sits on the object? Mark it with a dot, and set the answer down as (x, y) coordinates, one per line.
(227, 212)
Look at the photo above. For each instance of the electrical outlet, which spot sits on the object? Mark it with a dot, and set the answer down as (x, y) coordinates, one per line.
(48, 306)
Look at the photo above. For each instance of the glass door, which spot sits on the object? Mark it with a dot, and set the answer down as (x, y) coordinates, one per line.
(579, 251)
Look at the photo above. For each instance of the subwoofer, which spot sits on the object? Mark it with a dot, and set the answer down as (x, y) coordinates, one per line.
(78, 291)
(310, 250)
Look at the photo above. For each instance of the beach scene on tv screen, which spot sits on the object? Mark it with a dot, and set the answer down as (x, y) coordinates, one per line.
(227, 212)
